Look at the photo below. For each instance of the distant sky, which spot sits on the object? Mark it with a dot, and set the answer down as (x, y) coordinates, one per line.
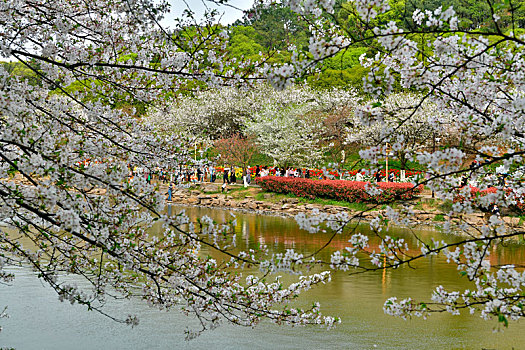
(229, 16)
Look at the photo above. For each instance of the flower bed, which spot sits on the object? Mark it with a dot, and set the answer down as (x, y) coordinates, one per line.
(350, 191)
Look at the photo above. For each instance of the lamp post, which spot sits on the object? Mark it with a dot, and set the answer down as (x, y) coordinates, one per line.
(386, 173)
(388, 150)
(434, 140)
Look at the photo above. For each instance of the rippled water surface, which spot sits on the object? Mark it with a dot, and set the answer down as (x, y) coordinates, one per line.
(39, 321)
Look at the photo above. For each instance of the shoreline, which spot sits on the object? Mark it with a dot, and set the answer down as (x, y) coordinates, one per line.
(207, 197)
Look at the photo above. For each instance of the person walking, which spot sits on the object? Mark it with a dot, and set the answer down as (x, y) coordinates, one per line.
(245, 178)
(225, 176)
(170, 192)
(212, 174)
(199, 174)
(233, 177)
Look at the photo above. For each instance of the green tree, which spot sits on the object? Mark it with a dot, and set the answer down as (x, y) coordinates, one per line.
(277, 27)
(243, 42)
(342, 70)
(20, 70)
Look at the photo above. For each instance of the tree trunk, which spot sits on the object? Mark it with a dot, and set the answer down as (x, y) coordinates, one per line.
(402, 160)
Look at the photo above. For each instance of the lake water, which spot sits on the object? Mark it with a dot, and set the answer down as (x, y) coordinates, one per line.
(39, 321)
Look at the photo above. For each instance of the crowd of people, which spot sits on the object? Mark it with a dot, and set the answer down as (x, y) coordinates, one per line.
(176, 176)
(187, 175)
(232, 175)
(229, 174)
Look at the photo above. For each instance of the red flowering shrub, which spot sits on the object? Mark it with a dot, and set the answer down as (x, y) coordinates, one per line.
(350, 191)
(477, 192)
(519, 207)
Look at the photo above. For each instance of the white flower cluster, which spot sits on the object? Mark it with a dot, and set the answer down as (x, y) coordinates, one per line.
(70, 139)
(321, 48)
(314, 7)
(436, 18)
(67, 143)
(470, 106)
(312, 222)
(369, 9)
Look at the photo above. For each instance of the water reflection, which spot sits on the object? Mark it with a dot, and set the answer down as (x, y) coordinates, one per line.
(281, 233)
(38, 320)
